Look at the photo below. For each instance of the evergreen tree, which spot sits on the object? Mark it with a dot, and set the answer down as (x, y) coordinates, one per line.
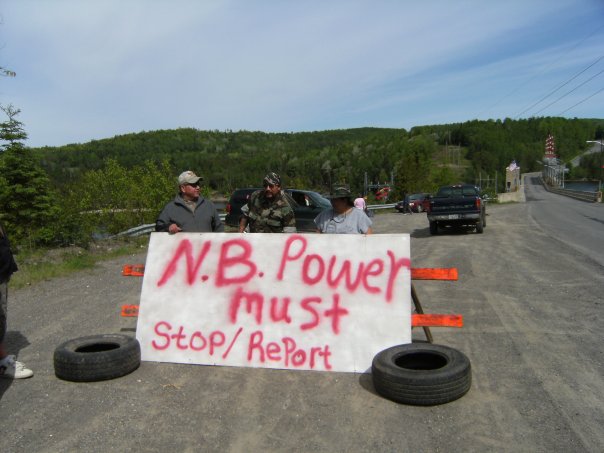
(26, 201)
(414, 168)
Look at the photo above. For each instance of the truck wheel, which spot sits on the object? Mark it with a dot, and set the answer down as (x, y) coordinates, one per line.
(433, 228)
(97, 358)
(479, 227)
(421, 374)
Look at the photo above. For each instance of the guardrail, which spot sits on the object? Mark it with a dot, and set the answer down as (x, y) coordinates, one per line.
(373, 207)
(592, 197)
(150, 227)
(138, 231)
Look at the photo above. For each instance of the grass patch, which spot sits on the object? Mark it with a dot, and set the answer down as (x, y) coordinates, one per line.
(78, 263)
(45, 264)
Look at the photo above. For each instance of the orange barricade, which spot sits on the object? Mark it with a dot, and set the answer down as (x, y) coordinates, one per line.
(420, 319)
(425, 320)
(133, 270)
(421, 273)
(129, 311)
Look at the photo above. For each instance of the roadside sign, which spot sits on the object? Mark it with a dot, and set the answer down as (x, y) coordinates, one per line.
(293, 301)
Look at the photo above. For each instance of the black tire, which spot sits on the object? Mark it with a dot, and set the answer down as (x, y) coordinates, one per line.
(97, 358)
(433, 228)
(479, 226)
(421, 374)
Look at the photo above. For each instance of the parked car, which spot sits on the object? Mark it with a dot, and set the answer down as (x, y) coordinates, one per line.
(415, 202)
(402, 206)
(457, 205)
(306, 204)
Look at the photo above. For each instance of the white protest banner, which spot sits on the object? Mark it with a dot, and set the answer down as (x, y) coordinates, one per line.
(293, 301)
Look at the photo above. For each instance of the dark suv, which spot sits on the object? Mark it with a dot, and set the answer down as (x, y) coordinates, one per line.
(306, 203)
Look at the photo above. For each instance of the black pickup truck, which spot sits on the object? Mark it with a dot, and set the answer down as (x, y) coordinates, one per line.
(458, 205)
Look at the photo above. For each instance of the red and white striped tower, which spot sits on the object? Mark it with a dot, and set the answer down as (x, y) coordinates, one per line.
(550, 147)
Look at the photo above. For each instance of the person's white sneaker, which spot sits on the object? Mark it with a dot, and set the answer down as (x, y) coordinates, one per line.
(13, 369)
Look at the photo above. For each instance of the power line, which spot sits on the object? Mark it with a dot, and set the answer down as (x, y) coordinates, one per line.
(569, 92)
(581, 102)
(560, 86)
(545, 70)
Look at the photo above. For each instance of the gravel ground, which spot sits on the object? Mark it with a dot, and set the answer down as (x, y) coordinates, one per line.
(532, 330)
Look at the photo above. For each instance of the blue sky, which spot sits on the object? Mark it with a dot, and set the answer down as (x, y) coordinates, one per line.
(98, 68)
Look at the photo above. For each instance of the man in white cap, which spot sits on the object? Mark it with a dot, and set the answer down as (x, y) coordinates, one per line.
(189, 212)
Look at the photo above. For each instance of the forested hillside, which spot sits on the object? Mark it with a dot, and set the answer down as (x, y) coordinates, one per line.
(231, 159)
(418, 159)
(63, 195)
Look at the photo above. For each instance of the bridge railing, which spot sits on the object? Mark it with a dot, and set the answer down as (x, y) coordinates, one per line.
(593, 197)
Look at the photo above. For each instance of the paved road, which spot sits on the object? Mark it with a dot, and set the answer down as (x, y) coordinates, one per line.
(532, 307)
(578, 224)
(595, 148)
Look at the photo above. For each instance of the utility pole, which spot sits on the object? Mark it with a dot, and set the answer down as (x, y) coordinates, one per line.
(601, 165)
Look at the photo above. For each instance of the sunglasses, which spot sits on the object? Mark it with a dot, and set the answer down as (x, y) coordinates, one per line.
(269, 185)
(192, 185)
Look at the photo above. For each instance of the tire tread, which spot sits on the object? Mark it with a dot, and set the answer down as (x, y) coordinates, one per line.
(421, 387)
(76, 366)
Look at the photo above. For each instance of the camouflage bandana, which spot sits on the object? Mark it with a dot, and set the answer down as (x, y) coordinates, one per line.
(272, 178)
(341, 191)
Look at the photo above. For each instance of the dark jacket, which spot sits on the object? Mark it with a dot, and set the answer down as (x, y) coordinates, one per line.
(7, 262)
(204, 219)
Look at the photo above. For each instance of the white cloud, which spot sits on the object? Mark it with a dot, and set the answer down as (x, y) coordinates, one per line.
(98, 68)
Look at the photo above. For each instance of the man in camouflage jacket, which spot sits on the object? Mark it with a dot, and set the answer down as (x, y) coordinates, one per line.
(268, 210)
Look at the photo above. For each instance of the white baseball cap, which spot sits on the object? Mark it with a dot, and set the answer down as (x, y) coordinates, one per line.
(188, 177)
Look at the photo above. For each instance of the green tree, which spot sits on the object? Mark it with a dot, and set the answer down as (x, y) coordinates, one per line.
(440, 176)
(116, 198)
(26, 200)
(414, 168)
